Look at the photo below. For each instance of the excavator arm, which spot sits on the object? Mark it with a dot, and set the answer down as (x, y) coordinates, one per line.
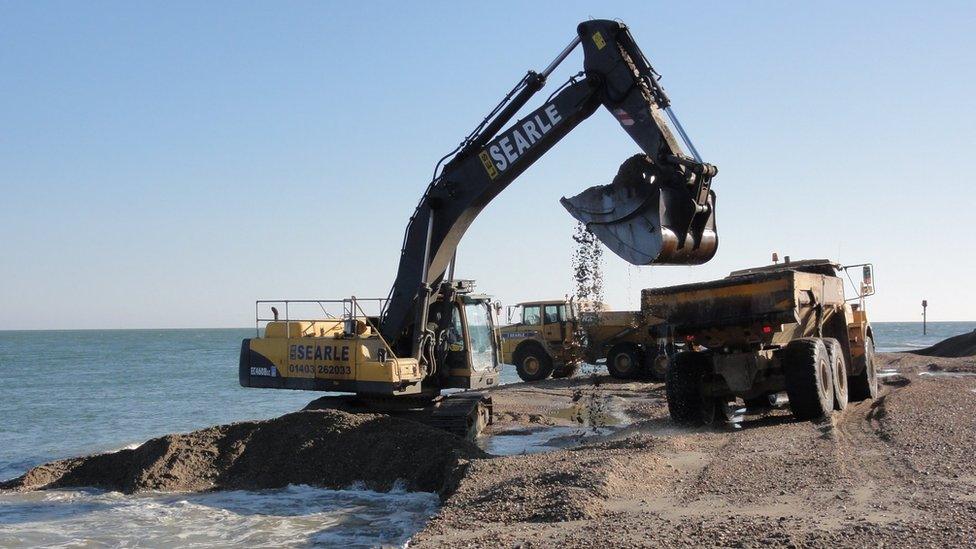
(658, 210)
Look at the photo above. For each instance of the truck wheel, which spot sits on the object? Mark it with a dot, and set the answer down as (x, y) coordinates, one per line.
(624, 361)
(658, 367)
(839, 367)
(865, 384)
(686, 401)
(566, 370)
(809, 378)
(532, 362)
(717, 412)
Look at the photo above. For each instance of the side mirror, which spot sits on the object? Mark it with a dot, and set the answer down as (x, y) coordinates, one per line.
(867, 280)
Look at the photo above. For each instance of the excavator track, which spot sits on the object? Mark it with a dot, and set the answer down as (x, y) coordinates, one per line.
(462, 414)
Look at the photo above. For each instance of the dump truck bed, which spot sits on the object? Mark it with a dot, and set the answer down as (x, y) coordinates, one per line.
(609, 321)
(610, 327)
(746, 307)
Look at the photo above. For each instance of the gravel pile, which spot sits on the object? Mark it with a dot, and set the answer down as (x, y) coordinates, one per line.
(894, 472)
(956, 346)
(326, 448)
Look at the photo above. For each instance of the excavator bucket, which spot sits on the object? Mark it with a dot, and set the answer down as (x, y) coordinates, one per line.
(647, 218)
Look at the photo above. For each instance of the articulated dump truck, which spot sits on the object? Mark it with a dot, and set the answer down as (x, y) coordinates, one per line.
(759, 332)
(554, 337)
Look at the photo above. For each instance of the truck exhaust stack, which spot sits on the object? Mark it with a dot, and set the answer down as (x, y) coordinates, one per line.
(648, 216)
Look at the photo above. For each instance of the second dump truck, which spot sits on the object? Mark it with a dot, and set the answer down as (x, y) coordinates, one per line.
(553, 337)
(781, 328)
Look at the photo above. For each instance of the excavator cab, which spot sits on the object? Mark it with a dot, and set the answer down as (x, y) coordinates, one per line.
(471, 342)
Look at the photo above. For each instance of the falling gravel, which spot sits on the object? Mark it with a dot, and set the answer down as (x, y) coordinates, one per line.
(588, 266)
(588, 276)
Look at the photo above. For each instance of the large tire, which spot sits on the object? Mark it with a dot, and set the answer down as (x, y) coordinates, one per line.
(657, 366)
(809, 378)
(839, 367)
(532, 362)
(864, 385)
(566, 370)
(686, 402)
(723, 413)
(624, 361)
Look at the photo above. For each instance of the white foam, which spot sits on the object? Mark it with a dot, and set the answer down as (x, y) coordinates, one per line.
(292, 516)
(132, 446)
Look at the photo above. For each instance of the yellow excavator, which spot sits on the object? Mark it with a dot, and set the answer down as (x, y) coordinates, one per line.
(434, 332)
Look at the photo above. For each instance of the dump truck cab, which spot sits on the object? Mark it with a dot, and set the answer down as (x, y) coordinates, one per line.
(540, 339)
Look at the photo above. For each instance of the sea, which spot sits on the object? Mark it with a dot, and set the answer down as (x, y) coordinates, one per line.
(75, 392)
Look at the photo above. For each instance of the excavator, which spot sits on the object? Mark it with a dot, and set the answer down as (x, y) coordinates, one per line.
(433, 333)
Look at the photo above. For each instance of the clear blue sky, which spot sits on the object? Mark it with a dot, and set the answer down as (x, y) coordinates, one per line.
(164, 165)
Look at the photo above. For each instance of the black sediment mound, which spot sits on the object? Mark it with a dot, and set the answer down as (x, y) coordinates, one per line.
(962, 345)
(326, 448)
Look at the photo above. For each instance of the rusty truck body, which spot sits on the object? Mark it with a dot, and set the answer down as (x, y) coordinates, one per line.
(758, 332)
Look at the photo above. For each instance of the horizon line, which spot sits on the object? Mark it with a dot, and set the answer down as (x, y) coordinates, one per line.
(252, 327)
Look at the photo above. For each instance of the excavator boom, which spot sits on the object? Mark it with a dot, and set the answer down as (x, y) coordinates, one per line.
(658, 210)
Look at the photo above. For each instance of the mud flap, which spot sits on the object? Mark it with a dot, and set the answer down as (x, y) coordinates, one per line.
(646, 219)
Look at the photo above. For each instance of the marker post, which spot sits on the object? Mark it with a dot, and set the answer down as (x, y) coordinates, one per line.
(925, 304)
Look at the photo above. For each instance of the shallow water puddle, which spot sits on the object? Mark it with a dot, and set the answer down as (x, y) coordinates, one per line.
(292, 516)
(539, 439)
(946, 374)
(586, 415)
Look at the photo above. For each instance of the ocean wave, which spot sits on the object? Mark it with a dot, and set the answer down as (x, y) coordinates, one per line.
(292, 516)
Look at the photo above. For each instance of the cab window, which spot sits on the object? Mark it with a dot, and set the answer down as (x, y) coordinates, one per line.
(531, 315)
(455, 338)
(552, 314)
(481, 336)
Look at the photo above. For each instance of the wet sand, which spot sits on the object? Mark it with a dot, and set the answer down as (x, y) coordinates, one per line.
(896, 471)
